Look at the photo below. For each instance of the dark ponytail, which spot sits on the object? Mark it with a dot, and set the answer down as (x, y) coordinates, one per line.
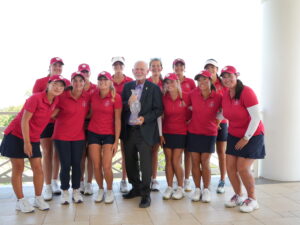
(69, 88)
(212, 87)
(238, 89)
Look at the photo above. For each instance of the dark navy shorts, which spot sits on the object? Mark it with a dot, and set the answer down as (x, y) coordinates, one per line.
(100, 139)
(223, 132)
(175, 141)
(201, 143)
(48, 131)
(254, 149)
(13, 147)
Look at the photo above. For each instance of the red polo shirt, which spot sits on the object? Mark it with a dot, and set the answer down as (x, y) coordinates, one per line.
(69, 124)
(159, 84)
(204, 113)
(92, 89)
(236, 112)
(40, 84)
(221, 89)
(41, 110)
(187, 85)
(119, 87)
(175, 114)
(103, 113)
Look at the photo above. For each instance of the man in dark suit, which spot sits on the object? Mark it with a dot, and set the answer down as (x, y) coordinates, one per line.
(140, 132)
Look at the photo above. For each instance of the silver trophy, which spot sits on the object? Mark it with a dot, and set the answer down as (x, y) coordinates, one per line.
(135, 108)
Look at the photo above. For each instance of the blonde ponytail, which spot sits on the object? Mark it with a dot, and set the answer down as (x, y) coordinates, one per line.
(113, 92)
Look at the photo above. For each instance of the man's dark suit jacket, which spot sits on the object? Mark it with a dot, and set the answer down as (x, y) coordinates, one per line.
(151, 109)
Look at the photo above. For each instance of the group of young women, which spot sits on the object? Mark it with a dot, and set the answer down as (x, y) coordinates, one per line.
(83, 121)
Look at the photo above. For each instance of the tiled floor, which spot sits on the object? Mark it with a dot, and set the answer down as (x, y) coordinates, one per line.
(279, 204)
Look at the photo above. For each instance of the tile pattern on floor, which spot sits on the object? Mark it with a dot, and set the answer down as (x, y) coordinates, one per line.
(279, 205)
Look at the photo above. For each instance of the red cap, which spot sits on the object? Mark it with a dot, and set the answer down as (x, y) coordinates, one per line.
(204, 73)
(54, 78)
(55, 60)
(171, 76)
(83, 67)
(178, 61)
(77, 74)
(228, 69)
(105, 74)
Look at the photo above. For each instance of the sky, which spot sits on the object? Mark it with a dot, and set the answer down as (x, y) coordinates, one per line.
(32, 32)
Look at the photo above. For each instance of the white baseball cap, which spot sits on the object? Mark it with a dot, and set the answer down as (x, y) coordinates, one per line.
(212, 62)
(118, 59)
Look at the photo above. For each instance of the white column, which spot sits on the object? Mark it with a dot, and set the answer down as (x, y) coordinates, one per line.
(281, 89)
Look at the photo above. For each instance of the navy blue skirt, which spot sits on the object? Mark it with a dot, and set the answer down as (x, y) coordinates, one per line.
(223, 132)
(48, 131)
(100, 139)
(254, 149)
(13, 147)
(175, 141)
(201, 143)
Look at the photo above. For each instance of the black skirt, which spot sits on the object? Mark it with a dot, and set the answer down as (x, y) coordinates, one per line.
(254, 149)
(175, 141)
(223, 132)
(201, 143)
(48, 131)
(13, 147)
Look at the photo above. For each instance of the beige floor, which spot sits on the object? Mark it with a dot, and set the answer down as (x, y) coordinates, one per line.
(279, 204)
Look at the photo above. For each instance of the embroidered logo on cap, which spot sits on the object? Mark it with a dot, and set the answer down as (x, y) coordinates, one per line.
(84, 66)
(58, 59)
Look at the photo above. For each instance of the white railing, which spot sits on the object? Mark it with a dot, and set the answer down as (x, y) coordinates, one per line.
(5, 166)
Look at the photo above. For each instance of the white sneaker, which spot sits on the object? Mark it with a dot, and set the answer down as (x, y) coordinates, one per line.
(235, 200)
(81, 188)
(187, 185)
(55, 187)
(65, 198)
(88, 190)
(99, 196)
(76, 196)
(154, 185)
(196, 195)
(178, 194)
(24, 206)
(123, 186)
(249, 205)
(109, 197)
(40, 203)
(48, 192)
(206, 195)
(168, 193)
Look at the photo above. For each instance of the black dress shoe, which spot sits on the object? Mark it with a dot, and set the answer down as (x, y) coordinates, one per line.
(132, 194)
(145, 202)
